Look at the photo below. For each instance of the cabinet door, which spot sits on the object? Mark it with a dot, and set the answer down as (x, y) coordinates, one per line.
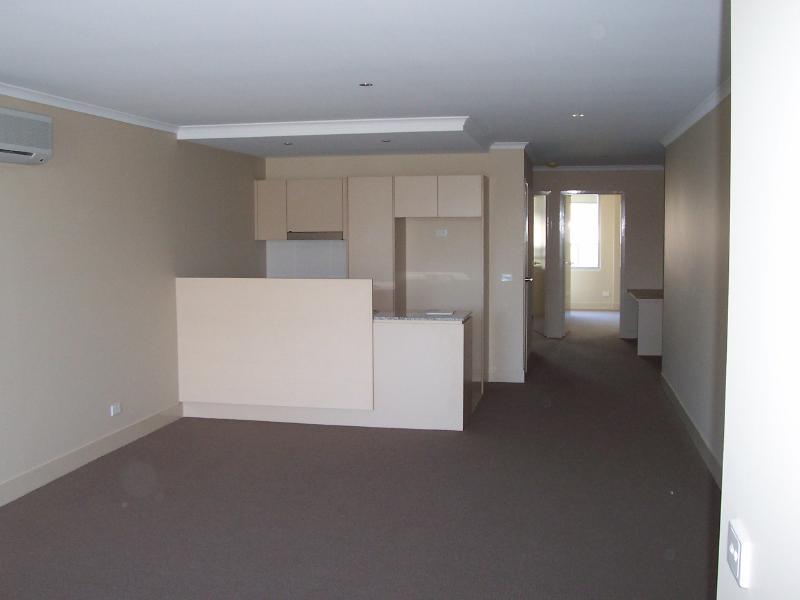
(370, 246)
(415, 196)
(314, 204)
(270, 212)
(460, 195)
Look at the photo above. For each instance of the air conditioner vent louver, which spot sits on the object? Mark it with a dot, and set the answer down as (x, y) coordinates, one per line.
(20, 152)
(25, 138)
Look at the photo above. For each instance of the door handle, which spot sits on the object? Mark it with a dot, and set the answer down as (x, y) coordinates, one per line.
(529, 279)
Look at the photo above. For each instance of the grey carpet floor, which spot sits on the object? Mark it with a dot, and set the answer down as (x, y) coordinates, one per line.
(578, 484)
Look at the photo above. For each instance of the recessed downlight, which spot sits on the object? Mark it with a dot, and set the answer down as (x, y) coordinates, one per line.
(288, 143)
(578, 115)
(365, 84)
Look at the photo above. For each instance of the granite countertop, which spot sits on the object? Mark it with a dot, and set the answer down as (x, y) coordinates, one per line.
(458, 316)
(647, 294)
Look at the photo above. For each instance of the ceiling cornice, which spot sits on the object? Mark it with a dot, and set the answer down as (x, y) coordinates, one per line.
(288, 129)
(509, 145)
(700, 111)
(22, 93)
(526, 146)
(544, 169)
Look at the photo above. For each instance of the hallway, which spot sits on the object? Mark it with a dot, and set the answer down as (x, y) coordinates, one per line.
(578, 484)
(635, 479)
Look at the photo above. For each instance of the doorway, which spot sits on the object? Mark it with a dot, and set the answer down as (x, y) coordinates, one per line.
(585, 249)
(592, 282)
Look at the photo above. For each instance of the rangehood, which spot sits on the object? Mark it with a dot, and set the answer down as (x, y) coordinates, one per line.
(314, 235)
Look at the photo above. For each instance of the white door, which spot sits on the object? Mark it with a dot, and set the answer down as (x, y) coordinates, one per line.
(567, 207)
(539, 248)
(526, 284)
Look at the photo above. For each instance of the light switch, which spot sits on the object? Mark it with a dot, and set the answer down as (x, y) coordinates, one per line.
(739, 549)
(506, 277)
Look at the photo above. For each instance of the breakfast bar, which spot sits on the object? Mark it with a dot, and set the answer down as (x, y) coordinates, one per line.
(313, 351)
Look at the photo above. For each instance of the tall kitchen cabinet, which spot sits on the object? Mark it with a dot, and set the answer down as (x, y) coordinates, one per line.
(439, 196)
(460, 195)
(441, 261)
(415, 196)
(270, 209)
(371, 240)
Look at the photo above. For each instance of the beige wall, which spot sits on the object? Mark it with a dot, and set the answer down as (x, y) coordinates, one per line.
(90, 244)
(505, 169)
(697, 210)
(587, 286)
(643, 255)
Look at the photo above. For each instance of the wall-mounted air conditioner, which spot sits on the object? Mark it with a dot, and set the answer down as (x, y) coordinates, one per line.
(25, 138)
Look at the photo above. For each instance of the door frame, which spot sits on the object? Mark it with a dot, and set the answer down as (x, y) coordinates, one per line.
(526, 275)
(529, 257)
(555, 302)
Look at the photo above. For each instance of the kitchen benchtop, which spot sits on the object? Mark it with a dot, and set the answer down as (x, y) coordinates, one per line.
(654, 294)
(458, 316)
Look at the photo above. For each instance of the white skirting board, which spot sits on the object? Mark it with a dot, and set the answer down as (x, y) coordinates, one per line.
(50, 471)
(712, 464)
(312, 416)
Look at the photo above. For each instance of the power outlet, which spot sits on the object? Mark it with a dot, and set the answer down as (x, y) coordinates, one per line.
(441, 233)
(606, 294)
(739, 559)
(114, 409)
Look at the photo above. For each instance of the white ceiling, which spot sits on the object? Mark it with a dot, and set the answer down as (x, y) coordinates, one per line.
(517, 68)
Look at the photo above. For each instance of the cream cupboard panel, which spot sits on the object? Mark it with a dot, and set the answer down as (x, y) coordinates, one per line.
(314, 204)
(460, 195)
(270, 211)
(300, 343)
(370, 224)
(421, 381)
(415, 196)
(447, 271)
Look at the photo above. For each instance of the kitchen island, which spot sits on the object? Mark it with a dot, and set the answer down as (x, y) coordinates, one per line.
(423, 369)
(313, 351)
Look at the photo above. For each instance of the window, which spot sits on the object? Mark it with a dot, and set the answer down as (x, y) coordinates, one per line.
(584, 231)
